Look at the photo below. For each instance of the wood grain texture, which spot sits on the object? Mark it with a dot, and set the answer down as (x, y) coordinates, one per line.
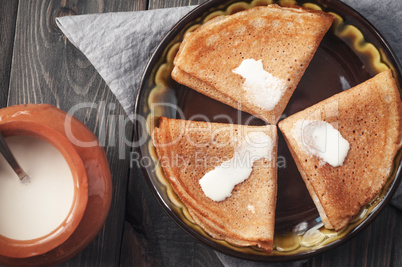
(396, 246)
(378, 245)
(46, 68)
(158, 240)
(8, 17)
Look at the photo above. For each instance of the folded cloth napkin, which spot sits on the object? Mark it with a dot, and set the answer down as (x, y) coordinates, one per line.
(120, 44)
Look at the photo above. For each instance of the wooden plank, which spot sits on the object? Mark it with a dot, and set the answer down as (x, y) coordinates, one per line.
(8, 17)
(378, 245)
(396, 246)
(152, 238)
(46, 68)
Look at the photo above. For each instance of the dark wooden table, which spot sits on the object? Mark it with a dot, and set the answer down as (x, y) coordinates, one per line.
(38, 65)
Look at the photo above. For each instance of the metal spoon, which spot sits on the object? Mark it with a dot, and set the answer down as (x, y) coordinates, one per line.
(8, 155)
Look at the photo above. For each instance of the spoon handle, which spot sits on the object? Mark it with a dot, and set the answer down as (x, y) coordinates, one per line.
(8, 155)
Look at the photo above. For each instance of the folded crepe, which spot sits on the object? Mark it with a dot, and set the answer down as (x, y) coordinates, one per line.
(252, 60)
(189, 151)
(368, 117)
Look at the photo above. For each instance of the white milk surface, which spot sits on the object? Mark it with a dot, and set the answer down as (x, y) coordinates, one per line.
(34, 209)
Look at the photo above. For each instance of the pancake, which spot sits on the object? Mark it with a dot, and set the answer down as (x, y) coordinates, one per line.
(368, 116)
(188, 150)
(282, 39)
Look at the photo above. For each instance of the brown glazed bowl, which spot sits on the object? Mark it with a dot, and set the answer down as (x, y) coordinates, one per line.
(28, 248)
(92, 184)
(350, 53)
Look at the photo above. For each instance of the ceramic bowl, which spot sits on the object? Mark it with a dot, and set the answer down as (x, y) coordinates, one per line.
(29, 248)
(92, 184)
(350, 53)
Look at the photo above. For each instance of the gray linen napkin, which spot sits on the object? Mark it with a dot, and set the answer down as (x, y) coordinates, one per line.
(120, 44)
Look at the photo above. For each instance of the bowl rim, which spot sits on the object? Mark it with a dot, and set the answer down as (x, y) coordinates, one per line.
(154, 58)
(28, 248)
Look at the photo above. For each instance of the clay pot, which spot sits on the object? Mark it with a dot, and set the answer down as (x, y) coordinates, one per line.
(92, 184)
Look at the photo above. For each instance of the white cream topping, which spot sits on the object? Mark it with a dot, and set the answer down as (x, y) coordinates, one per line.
(324, 141)
(264, 89)
(219, 183)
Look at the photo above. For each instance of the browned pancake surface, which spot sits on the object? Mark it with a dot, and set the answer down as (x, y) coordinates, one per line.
(247, 216)
(285, 39)
(368, 116)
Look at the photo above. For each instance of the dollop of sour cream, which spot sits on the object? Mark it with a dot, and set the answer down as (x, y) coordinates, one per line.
(263, 88)
(218, 183)
(325, 142)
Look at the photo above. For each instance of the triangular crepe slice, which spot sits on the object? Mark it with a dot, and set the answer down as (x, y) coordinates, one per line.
(188, 150)
(274, 45)
(368, 117)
